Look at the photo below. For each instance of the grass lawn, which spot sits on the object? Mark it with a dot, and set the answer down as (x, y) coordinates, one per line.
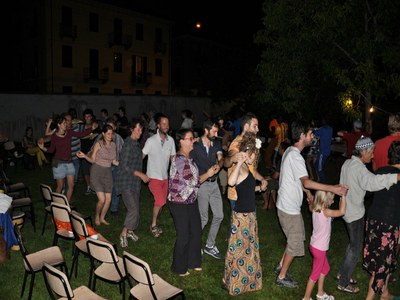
(158, 251)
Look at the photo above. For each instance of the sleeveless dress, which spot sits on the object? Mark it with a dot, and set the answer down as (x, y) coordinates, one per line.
(243, 271)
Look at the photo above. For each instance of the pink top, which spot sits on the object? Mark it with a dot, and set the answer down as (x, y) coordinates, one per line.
(106, 154)
(321, 234)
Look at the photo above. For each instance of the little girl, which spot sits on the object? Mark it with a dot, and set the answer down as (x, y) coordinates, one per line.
(319, 243)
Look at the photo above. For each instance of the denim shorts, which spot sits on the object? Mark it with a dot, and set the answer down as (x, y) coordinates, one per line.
(63, 170)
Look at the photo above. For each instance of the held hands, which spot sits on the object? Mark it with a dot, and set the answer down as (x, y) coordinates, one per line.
(264, 184)
(241, 157)
(40, 143)
(212, 171)
(80, 154)
(340, 189)
(144, 178)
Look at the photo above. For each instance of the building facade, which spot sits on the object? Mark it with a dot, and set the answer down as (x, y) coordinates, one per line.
(88, 47)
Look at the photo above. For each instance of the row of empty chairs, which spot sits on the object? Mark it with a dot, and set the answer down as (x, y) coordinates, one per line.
(105, 264)
(49, 197)
(21, 194)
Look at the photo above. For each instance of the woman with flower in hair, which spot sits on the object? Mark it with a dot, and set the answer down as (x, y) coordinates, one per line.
(242, 262)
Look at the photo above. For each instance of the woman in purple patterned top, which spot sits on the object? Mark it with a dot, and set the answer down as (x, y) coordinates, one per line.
(184, 182)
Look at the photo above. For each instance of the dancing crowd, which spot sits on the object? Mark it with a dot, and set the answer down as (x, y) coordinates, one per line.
(188, 170)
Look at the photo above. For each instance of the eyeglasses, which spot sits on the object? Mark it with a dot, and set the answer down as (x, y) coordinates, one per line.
(189, 138)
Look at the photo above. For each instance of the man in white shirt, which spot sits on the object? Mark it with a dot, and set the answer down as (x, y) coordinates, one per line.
(160, 148)
(293, 181)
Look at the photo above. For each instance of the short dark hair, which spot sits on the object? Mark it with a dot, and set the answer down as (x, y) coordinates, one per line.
(299, 127)
(180, 135)
(88, 111)
(134, 122)
(394, 153)
(159, 117)
(103, 110)
(208, 124)
(246, 119)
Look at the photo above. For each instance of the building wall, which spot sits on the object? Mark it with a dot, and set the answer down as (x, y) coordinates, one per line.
(19, 111)
(49, 39)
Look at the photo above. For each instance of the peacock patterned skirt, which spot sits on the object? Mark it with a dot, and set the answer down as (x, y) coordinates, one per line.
(242, 262)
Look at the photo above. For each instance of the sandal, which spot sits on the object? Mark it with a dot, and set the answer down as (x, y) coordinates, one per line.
(155, 231)
(348, 289)
(123, 242)
(184, 274)
(351, 281)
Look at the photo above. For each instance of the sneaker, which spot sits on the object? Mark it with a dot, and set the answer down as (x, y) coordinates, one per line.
(213, 251)
(286, 282)
(325, 296)
(130, 234)
(277, 270)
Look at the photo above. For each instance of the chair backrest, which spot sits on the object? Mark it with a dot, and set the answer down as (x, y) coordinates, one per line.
(23, 250)
(138, 269)
(59, 198)
(46, 191)
(20, 240)
(78, 226)
(102, 251)
(60, 212)
(57, 282)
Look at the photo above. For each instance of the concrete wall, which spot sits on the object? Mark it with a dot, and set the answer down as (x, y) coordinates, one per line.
(19, 111)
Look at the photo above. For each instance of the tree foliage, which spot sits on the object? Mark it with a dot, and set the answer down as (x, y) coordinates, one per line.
(315, 50)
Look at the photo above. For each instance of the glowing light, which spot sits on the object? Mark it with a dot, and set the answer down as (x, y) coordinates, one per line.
(372, 109)
(198, 25)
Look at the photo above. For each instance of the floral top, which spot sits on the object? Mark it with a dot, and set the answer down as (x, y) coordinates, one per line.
(183, 183)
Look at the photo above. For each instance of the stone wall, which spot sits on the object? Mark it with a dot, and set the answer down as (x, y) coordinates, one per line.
(17, 111)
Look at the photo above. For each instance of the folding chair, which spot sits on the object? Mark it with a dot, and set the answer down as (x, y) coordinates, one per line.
(81, 233)
(57, 283)
(62, 199)
(33, 262)
(110, 270)
(150, 286)
(60, 214)
(46, 191)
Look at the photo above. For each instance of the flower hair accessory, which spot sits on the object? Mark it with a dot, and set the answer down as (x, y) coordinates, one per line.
(258, 143)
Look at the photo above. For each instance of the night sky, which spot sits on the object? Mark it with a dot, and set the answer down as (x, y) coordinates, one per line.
(221, 20)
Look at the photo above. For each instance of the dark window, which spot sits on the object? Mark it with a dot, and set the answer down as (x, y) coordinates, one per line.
(94, 63)
(66, 56)
(139, 31)
(66, 16)
(94, 90)
(159, 35)
(118, 31)
(93, 22)
(158, 70)
(139, 92)
(117, 62)
(117, 92)
(67, 89)
(158, 93)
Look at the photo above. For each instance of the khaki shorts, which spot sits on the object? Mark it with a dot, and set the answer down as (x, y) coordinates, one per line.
(293, 228)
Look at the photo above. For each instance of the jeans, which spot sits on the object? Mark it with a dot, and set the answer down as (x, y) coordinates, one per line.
(114, 196)
(355, 231)
(319, 165)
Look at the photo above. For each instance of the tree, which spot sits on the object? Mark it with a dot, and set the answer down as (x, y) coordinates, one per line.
(315, 51)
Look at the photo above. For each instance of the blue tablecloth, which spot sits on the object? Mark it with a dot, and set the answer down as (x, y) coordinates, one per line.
(9, 235)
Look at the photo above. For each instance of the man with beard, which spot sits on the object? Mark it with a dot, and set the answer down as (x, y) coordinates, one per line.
(207, 153)
(160, 147)
(293, 182)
